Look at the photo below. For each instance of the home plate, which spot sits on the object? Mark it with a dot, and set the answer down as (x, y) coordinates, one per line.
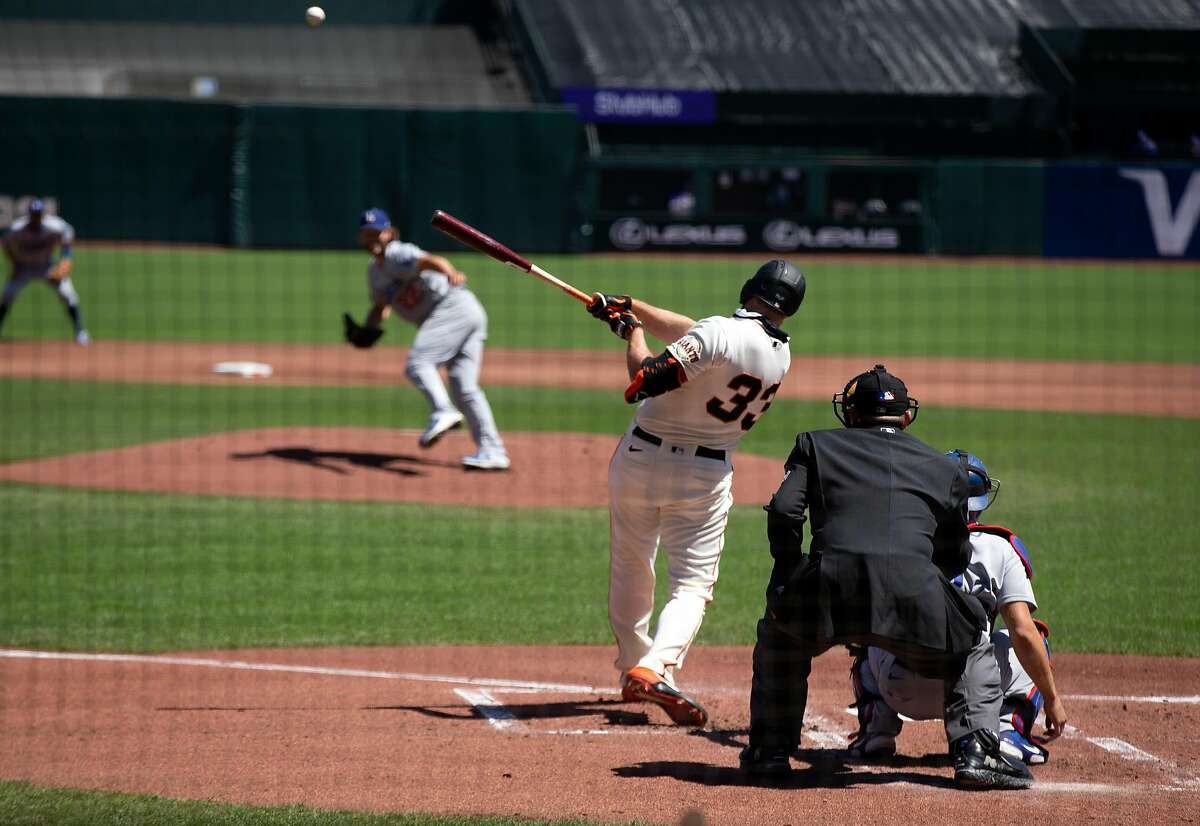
(245, 369)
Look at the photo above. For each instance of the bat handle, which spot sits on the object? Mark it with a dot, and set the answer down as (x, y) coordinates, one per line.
(574, 292)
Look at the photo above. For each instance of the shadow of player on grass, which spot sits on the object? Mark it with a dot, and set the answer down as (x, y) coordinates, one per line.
(397, 463)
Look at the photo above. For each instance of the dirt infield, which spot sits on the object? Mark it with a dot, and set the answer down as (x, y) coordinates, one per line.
(542, 733)
(1092, 387)
(566, 470)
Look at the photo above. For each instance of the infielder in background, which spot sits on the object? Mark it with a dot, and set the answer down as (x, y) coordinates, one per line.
(670, 480)
(430, 292)
(30, 244)
(1000, 575)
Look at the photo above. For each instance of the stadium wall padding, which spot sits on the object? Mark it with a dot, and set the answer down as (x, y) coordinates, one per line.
(283, 176)
(988, 207)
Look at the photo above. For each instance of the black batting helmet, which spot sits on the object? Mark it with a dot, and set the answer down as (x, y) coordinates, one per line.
(873, 394)
(778, 284)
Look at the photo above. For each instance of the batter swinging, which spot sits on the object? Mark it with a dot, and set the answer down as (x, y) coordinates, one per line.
(671, 478)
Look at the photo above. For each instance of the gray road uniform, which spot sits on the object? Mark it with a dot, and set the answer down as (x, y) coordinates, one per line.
(885, 688)
(32, 249)
(451, 329)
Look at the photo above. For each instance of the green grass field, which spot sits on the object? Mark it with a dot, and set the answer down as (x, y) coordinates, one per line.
(1035, 309)
(1100, 500)
(25, 805)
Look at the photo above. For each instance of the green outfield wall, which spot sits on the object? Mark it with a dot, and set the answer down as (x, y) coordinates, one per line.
(296, 177)
(770, 201)
(284, 176)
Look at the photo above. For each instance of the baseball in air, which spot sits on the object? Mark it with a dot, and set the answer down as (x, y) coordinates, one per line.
(315, 15)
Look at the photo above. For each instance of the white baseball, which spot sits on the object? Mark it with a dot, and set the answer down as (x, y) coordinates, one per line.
(315, 15)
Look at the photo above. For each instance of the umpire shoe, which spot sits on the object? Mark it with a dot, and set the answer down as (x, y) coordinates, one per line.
(439, 425)
(642, 684)
(980, 764)
(761, 761)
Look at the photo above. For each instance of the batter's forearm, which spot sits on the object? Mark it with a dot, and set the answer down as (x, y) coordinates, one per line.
(636, 353)
(1031, 653)
(664, 325)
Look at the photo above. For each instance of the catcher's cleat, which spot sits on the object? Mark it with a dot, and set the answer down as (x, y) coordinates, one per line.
(980, 764)
(1013, 744)
(642, 684)
(765, 762)
(871, 745)
(439, 425)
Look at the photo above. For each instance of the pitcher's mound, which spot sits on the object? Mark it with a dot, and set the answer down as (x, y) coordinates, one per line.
(562, 470)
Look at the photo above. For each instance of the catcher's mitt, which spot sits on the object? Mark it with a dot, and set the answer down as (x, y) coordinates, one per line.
(358, 335)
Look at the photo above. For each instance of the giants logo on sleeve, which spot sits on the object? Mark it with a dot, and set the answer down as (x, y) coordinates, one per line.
(687, 349)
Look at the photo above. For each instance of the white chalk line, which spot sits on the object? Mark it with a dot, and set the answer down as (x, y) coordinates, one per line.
(822, 731)
(1181, 778)
(490, 708)
(1192, 699)
(198, 662)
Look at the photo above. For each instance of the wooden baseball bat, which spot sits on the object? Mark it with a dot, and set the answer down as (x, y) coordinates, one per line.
(473, 238)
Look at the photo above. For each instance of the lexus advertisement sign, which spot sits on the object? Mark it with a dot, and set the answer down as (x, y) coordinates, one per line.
(781, 235)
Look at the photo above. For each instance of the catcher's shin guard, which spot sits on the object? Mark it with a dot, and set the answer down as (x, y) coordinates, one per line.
(878, 725)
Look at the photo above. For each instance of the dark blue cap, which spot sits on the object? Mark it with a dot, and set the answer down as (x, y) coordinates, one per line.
(37, 205)
(374, 219)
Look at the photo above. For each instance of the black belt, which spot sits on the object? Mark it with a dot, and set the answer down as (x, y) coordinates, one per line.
(701, 450)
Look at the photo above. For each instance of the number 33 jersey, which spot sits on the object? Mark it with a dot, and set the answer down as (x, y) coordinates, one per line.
(734, 366)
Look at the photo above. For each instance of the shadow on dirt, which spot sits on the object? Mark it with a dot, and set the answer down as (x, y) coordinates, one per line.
(534, 711)
(825, 772)
(398, 463)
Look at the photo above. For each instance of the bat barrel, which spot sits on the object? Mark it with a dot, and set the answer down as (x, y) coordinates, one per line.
(461, 231)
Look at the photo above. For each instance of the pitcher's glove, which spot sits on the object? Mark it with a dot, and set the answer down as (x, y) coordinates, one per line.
(622, 323)
(358, 335)
(602, 305)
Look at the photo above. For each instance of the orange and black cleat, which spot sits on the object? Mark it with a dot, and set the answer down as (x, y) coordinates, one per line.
(642, 684)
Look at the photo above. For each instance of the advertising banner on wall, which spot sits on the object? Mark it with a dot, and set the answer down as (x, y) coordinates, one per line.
(1122, 211)
(641, 105)
(634, 234)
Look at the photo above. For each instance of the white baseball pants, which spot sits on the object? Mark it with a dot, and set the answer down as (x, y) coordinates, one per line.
(453, 336)
(663, 495)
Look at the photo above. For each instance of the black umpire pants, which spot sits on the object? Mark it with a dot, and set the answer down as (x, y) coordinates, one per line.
(788, 641)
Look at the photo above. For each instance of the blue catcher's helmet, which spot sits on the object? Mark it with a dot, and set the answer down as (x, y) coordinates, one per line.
(981, 487)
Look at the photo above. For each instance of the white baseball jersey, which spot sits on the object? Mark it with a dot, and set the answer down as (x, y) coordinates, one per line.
(734, 368)
(411, 293)
(996, 574)
(32, 248)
